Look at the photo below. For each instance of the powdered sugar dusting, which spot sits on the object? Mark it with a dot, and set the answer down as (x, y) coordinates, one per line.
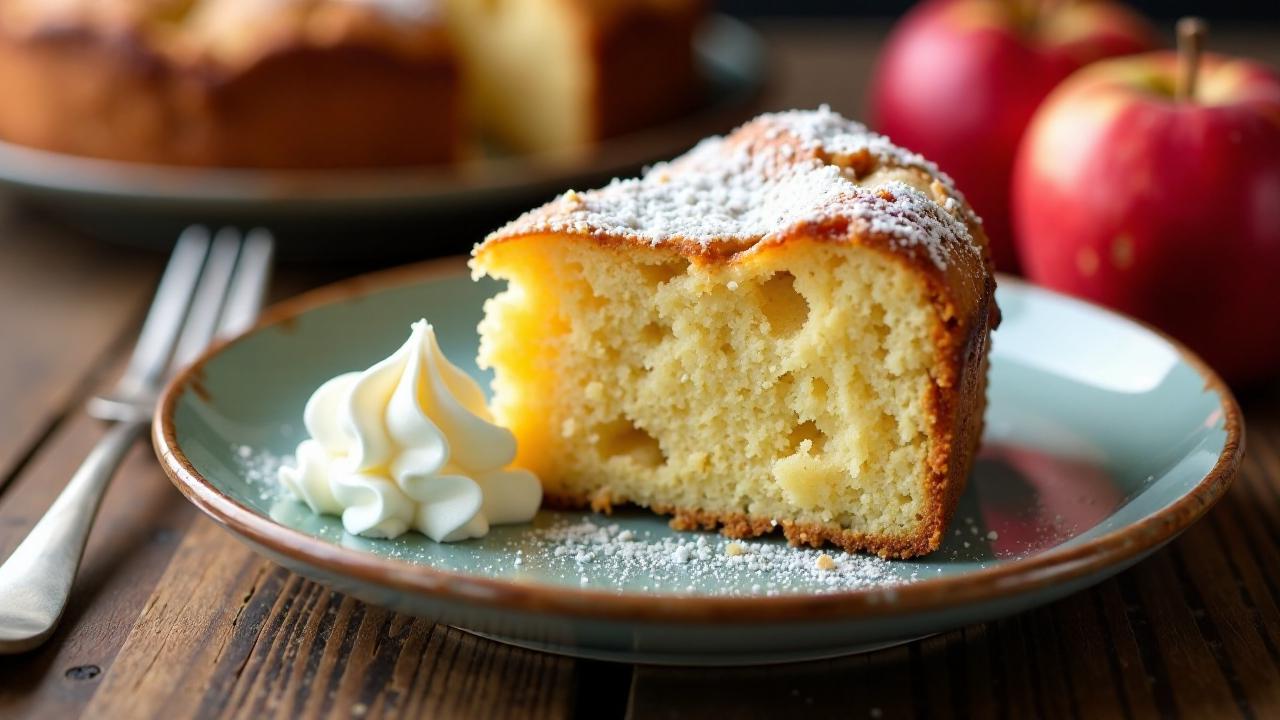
(774, 174)
(710, 563)
(261, 472)
(832, 133)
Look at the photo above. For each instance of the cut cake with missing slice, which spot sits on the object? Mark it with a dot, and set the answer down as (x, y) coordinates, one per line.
(784, 328)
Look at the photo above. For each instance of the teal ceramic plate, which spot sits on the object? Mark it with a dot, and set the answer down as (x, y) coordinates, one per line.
(321, 209)
(1104, 441)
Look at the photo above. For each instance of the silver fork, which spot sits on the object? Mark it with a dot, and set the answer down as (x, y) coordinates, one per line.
(211, 288)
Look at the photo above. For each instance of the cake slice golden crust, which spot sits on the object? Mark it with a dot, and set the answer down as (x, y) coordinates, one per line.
(236, 83)
(785, 328)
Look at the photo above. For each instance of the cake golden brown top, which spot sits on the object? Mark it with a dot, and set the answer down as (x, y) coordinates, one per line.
(780, 176)
(230, 34)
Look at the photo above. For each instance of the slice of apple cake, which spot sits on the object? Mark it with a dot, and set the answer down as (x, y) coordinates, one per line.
(784, 328)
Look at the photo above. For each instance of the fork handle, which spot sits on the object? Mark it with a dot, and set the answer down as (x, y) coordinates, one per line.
(35, 581)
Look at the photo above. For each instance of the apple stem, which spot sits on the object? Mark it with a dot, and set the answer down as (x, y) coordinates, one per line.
(1191, 32)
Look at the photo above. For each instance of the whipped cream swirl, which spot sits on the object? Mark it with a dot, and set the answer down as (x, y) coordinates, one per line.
(410, 444)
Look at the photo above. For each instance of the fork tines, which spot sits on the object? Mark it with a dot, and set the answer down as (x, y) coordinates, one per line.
(212, 288)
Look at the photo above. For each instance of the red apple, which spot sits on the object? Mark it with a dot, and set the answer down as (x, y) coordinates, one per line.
(1162, 207)
(959, 80)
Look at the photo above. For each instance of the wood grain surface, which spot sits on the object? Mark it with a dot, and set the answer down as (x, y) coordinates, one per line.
(170, 617)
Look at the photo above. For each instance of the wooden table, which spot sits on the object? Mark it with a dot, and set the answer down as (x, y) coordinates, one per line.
(172, 617)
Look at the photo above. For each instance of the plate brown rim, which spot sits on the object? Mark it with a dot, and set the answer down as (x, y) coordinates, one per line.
(1001, 582)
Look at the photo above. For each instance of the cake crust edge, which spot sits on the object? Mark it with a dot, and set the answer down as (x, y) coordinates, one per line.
(195, 112)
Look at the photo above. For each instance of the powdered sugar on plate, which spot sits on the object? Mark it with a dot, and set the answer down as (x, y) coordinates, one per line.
(261, 472)
(710, 563)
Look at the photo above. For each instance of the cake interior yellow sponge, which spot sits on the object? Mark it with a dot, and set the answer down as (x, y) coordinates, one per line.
(786, 328)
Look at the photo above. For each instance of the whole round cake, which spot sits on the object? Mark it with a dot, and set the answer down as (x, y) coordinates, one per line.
(786, 328)
(337, 83)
